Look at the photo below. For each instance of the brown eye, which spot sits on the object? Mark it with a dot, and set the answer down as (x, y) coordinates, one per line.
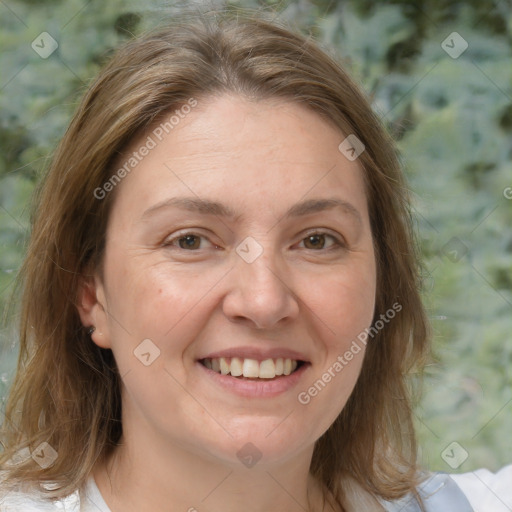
(321, 242)
(314, 241)
(189, 242)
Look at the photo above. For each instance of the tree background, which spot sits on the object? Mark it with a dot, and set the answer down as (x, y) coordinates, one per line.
(451, 115)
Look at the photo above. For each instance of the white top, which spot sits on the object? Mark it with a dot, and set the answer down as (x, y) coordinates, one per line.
(87, 500)
(478, 491)
(486, 491)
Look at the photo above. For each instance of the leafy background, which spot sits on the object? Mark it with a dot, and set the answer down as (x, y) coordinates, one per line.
(452, 118)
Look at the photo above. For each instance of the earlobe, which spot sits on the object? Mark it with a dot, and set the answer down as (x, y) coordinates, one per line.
(90, 306)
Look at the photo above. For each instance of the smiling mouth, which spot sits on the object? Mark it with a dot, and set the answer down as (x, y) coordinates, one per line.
(252, 368)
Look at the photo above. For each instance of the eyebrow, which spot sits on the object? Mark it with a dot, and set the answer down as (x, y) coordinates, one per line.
(192, 204)
(207, 207)
(318, 205)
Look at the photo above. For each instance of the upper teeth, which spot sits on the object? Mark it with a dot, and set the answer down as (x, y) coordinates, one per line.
(237, 367)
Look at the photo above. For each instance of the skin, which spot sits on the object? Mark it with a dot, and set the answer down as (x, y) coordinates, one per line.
(181, 432)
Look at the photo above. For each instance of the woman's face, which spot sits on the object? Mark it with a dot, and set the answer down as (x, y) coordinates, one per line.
(243, 234)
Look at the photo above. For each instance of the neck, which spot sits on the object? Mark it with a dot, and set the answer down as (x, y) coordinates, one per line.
(148, 477)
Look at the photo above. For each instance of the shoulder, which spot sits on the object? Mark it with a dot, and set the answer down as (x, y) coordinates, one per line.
(31, 499)
(477, 491)
(437, 492)
(486, 490)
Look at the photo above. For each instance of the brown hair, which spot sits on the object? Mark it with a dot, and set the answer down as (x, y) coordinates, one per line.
(67, 390)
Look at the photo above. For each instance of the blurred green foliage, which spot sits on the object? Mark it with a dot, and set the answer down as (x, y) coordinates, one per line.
(452, 118)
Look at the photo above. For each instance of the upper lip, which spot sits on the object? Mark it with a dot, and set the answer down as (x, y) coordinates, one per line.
(257, 353)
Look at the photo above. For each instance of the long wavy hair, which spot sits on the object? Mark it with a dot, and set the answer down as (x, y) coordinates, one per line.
(66, 391)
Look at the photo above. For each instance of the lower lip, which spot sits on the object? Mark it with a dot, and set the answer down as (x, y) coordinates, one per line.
(260, 388)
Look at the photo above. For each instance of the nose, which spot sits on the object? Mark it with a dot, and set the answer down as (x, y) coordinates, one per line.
(260, 294)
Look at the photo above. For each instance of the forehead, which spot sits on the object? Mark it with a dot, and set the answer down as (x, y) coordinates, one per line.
(247, 153)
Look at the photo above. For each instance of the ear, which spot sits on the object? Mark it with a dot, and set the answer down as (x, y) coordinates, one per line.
(92, 308)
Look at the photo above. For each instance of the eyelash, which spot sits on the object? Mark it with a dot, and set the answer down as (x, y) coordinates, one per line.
(169, 243)
(337, 242)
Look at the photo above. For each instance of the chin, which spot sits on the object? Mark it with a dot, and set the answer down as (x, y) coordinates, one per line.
(258, 443)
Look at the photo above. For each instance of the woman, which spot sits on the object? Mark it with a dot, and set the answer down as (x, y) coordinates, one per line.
(227, 292)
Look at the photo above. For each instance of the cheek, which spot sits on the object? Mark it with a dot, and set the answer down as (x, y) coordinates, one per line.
(345, 308)
(344, 302)
(158, 302)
